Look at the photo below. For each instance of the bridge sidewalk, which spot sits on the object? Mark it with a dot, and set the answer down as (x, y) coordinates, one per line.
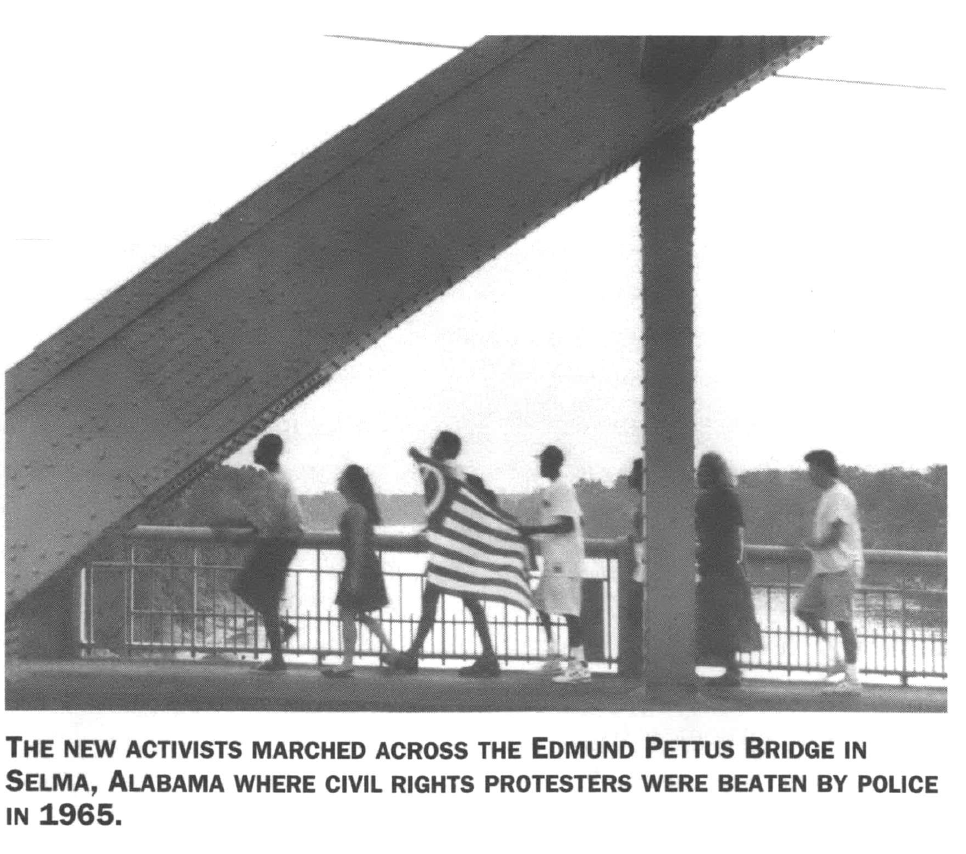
(231, 686)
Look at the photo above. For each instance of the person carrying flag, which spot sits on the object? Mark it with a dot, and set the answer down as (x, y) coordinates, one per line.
(474, 552)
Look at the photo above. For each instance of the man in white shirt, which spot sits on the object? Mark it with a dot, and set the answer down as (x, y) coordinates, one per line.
(562, 547)
(837, 563)
(273, 510)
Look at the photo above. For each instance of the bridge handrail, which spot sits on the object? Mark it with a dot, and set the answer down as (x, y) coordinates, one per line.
(595, 547)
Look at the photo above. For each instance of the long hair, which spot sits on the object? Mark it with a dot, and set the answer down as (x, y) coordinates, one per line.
(357, 487)
(717, 469)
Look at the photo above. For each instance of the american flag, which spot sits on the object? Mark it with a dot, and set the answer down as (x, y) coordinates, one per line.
(474, 547)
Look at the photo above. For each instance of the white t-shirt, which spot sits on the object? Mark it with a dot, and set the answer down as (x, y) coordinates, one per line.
(274, 507)
(562, 553)
(838, 503)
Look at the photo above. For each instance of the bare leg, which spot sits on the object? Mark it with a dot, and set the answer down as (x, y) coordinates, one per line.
(850, 645)
(547, 624)
(812, 622)
(348, 619)
(274, 635)
(427, 617)
(474, 606)
(575, 636)
(374, 626)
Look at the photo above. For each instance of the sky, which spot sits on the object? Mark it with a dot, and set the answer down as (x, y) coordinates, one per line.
(823, 295)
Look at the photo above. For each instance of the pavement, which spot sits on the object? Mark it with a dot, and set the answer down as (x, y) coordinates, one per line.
(140, 685)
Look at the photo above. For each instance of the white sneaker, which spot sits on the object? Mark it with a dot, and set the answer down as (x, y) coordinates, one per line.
(576, 671)
(846, 686)
(836, 669)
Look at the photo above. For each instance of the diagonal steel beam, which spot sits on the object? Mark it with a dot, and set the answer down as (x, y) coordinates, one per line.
(192, 357)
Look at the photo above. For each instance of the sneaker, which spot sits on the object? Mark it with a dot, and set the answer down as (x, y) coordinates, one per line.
(340, 671)
(836, 669)
(576, 671)
(553, 665)
(484, 666)
(846, 686)
(271, 666)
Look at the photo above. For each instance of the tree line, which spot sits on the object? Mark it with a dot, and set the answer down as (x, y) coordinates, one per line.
(900, 508)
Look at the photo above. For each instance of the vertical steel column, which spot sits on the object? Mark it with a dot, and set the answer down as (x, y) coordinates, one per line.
(667, 234)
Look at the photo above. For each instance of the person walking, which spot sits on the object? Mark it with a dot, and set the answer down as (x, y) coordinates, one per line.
(630, 582)
(837, 564)
(725, 614)
(562, 547)
(362, 588)
(445, 450)
(275, 514)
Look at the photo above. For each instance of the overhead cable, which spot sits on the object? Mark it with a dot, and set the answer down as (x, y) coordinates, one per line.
(785, 76)
(399, 41)
(859, 82)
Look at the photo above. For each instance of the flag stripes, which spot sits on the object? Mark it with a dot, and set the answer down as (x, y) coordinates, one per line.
(474, 548)
(456, 530)
(483, 520)
(477, 557)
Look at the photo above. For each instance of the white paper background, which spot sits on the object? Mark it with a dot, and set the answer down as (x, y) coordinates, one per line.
(68, 109)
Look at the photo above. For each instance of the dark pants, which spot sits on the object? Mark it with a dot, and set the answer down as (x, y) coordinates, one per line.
(261, 582)
(427, 618)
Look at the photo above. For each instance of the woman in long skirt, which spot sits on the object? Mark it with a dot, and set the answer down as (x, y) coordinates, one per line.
(726, 622)
(361, 587)
(277, 519)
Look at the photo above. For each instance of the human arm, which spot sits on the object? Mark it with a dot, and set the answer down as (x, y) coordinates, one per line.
(562, 525)
(832, 537)
(559, 503)
(248, 507)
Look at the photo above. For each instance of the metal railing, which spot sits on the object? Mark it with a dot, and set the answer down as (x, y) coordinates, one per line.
(900, 613)
(170, 596)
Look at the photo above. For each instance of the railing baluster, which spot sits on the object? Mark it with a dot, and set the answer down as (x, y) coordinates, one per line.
(904, 676)
(921, 653)
(788, 611)
(318, 606)
(194, 602)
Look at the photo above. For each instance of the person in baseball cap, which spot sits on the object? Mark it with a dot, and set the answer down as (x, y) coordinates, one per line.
(562, 548)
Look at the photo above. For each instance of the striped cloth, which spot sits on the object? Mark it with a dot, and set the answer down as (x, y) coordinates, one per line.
(474, 547)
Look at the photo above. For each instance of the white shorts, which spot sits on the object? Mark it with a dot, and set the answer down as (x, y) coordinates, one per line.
(558, 594)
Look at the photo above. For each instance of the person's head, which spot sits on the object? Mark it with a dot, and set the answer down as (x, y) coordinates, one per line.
(446, 447)
(268, 450)
(822, 468)
(635, 480)
(713, 472)
(551, 459)
(355, 486)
